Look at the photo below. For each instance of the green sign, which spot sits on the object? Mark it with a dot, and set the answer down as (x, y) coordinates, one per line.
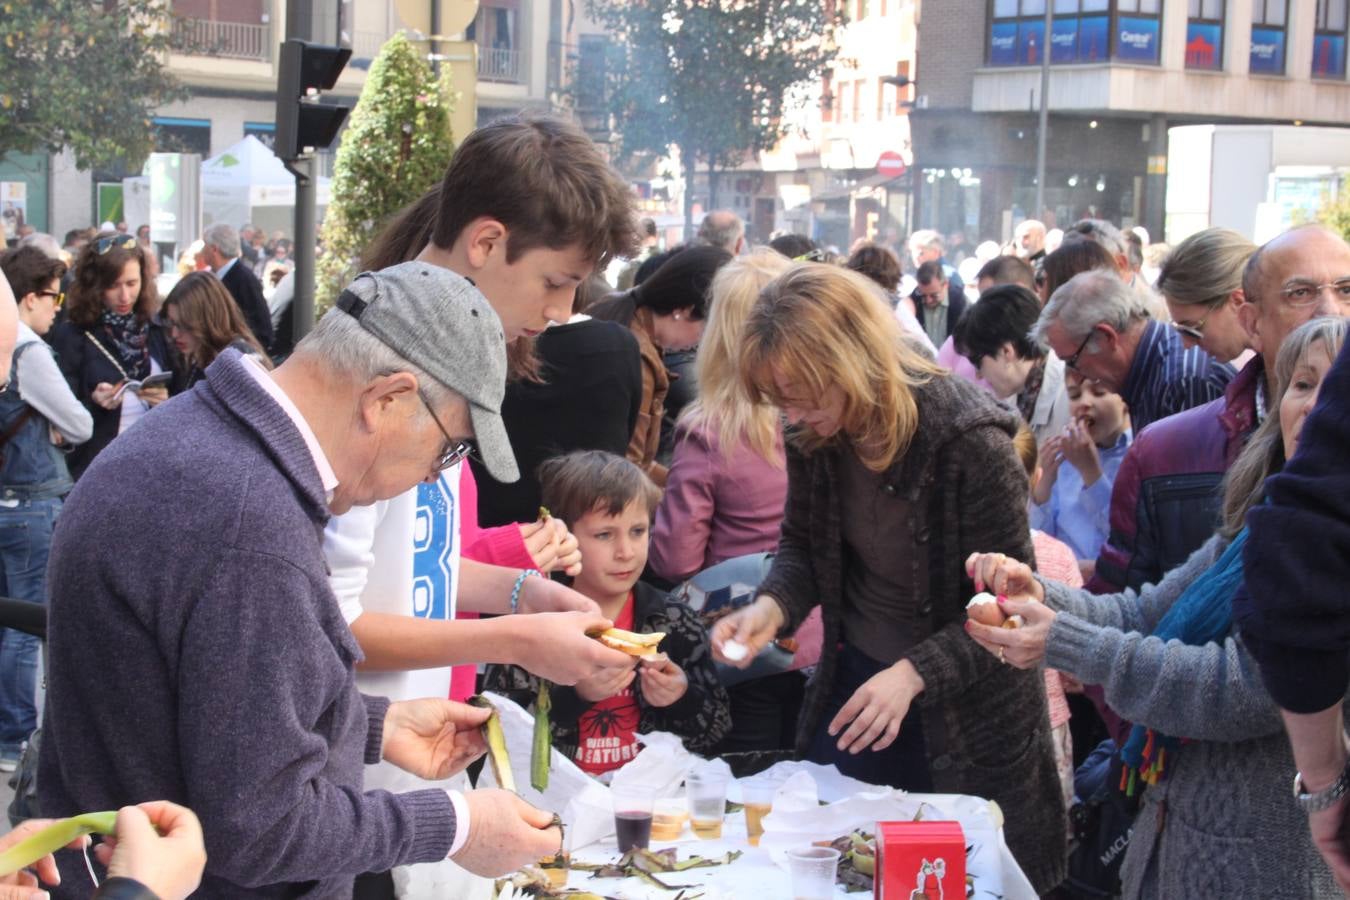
(110, 202)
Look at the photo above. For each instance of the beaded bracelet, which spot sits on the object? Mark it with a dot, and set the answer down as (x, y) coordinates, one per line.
(520, 582)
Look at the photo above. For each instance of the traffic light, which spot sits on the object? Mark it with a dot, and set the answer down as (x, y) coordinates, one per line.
(304, 125)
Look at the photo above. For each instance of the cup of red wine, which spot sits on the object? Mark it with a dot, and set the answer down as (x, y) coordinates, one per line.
(633, 816)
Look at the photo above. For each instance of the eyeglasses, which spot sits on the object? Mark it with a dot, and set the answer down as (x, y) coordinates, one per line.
(1306, 293)
(455, 450)
(120, 241)
(58, 297)
(1072, 361)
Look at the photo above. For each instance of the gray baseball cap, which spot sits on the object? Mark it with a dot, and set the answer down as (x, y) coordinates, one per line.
(441, 323)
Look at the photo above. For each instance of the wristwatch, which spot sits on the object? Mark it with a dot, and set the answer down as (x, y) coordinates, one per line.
(1323, 799)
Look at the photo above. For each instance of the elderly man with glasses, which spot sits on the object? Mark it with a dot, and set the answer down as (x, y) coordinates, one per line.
(188, 579)
(1101, 328)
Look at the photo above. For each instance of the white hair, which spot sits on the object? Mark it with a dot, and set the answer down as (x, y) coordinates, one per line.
(1088, 299)
(44, 242)
(224, 238)
(341, 344)
(1100, 231)
(1029, 225)
(926, 237)
(721, 228)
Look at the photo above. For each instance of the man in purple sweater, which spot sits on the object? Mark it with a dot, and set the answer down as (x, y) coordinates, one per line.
(197, 652)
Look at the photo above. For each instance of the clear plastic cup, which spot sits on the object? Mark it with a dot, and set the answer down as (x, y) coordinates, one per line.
(813, 870)
(707, 792)
(632, 816)
(757, 797)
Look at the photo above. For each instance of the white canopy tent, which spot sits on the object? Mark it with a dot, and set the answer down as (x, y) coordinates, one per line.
(247, 183)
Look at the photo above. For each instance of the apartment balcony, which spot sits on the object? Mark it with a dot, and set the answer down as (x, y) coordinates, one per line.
(499, 65)
(228, 40)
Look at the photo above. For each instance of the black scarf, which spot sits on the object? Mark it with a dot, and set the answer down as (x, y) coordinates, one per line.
(131, 339)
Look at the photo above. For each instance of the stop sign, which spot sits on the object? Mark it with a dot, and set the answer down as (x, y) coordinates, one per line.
(890, 164)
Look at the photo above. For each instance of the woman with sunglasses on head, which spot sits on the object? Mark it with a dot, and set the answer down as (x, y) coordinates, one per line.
(203, 320)
(38, 416)
(110, 341)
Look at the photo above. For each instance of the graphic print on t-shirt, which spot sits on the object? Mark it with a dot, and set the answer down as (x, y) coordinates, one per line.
(607, 731)
(435, 532)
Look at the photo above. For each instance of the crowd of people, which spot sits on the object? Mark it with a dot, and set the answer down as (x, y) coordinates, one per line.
(485, 452)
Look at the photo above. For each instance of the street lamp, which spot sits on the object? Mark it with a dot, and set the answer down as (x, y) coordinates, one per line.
(897, 80)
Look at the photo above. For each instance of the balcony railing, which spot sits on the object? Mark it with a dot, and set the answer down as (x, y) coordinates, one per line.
(499, 65)
(234, 40)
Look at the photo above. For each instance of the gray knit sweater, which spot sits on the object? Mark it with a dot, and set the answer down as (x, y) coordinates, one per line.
(198, 655)
(1223, 823)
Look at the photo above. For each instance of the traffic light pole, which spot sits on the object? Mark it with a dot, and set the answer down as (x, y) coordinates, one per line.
(306, 236)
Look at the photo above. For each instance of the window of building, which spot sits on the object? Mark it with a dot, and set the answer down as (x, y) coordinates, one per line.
(1137, 36)
(1204, 35)
(1083, 31)
(1329, 39)
(1269, 21)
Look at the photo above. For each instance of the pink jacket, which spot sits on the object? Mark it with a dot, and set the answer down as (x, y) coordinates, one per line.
(1056, 561)
(716, 507)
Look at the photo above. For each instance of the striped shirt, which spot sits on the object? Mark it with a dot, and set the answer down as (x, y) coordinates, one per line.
(1166, 378)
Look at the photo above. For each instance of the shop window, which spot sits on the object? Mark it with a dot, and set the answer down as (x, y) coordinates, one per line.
(1204, 35)
(1270, 19)
(1329, 39)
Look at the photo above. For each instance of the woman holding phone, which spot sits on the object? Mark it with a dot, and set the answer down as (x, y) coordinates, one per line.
(113, 354)
(203, 321)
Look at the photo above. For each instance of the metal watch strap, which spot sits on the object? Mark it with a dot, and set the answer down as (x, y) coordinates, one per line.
(1323, 799)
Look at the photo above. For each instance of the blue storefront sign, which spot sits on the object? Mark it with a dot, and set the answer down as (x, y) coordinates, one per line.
(1204, 42)
(1267, 51)
(1031, 42)
(1003, 44)
(1094, 38)
(1064, 40)
(1329, 56)
(1137, 39)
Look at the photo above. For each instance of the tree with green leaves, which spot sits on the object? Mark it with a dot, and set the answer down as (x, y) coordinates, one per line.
(396, 146)
(84, 75)
(710, 77)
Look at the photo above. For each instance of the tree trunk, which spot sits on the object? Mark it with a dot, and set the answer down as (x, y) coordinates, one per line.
(712, 186)
(687, 161)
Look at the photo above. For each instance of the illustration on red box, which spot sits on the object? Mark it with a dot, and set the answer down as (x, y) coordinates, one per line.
(920, 861)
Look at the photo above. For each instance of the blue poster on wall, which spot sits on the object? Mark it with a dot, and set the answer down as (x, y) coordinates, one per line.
(1329, 56)
(1030, 42)
(1094, 38)
(1064, 40)
(1003, 44)
(1267, 51)
(1137, 39)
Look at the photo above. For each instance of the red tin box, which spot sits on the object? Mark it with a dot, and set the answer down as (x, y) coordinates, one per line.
(920, 861)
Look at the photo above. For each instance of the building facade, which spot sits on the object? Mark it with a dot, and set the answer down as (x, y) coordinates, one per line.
(1122, 74)
(513, 54)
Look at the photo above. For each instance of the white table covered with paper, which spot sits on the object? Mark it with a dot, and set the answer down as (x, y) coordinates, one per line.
(813, 803)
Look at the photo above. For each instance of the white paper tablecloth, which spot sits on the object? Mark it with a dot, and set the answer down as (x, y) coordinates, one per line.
(585, 806)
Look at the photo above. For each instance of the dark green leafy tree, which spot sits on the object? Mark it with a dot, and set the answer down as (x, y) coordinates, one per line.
(711, 77)
(396, 146)
(84, 75)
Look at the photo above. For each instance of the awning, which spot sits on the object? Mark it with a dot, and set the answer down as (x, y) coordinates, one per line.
(866, 184)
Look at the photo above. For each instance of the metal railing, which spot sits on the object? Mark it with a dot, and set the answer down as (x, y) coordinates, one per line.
(235, 40)
(498, 65)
